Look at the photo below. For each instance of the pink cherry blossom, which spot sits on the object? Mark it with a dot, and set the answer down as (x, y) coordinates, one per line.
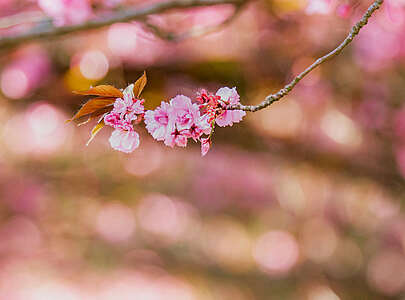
(157, 121)
(177, 121)
(125, 111)
(180, 119)
(229, 96)
(66, 12)
(228, 117)
(129, 107)
(185, 114)
(125, 141)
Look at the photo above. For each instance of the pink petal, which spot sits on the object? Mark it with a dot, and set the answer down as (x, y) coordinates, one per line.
(228, 95)
(205, 146)
(237, 115)
(224, 119)
(125, 141)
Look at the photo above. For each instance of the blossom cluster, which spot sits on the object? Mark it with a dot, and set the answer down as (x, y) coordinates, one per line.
(176, 121)
(173, 122)
(126, 112)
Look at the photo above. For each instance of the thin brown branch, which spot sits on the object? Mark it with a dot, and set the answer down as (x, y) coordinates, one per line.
(286, 89)
(195, 31)
(22, 18)
(48, 30)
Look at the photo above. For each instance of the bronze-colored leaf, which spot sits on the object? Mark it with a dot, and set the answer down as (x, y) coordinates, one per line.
(139, 85)
(100, 112)
(91, 117)
(95, 130)
(103, 91)
(94, 106)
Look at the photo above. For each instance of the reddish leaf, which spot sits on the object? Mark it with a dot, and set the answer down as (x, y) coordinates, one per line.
(102, 90)
(95, 130)
(93, 108)
(139, 85)
(102, 112)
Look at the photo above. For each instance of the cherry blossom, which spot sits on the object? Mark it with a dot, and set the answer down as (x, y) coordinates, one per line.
(126, 111)
(185, 113)
(173, 122)
(228, 117)
(180, 119)
(157, 121)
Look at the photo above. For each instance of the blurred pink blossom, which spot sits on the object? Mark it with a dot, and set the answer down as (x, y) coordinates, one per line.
(131, 44)
(26, 196)
(167, 218)
(20, 235)
(26, 72)
(276, 252)
(344, 10)
(115, 223)
(322, 7)
(372, 113)
(385, 272)
(41, 130)
(66, 12)
(381, 43)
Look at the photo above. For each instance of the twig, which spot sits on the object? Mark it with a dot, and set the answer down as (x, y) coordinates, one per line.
(49, 30)
(286, 89)
(195, 31)
(22, 18)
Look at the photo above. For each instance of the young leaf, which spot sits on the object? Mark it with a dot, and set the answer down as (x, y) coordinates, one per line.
(102, 90)
(95, 130)
(94, 106)
(139, 85)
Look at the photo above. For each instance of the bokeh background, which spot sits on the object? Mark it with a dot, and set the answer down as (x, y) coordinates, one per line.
(299, 201)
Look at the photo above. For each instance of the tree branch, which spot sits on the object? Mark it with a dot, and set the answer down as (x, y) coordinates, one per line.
(286, 89)
(195, 31)
(48, 30)
(22, 18)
